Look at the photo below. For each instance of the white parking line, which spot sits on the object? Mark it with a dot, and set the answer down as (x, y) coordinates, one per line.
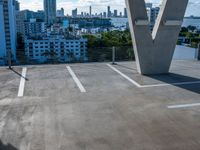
(125, 76)
(76, 80)
(183, 105)
(22, 82)
(152, 85)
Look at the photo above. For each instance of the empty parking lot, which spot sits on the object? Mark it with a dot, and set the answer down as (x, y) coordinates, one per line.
(98, 106)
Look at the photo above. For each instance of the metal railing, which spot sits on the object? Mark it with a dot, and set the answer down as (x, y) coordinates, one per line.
(110, 54)
(95, 54)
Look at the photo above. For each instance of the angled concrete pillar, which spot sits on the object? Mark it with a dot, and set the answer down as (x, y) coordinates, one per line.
(154, 51)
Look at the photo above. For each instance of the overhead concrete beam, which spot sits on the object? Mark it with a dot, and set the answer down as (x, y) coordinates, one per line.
(154, 51)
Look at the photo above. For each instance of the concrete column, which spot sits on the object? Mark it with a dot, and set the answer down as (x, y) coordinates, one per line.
(154, 51)
(198, 56)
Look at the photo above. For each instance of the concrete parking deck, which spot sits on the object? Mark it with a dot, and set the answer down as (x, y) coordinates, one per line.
(100, 107)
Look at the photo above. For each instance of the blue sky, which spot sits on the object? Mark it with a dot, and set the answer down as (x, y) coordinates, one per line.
(99, 5)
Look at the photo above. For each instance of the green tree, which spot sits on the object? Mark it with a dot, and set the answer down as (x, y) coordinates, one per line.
(191, 28)
(100, 48)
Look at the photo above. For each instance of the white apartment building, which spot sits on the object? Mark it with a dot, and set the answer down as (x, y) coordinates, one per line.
(65, 50)
(7, 30)
(34, 27)
(28, 22)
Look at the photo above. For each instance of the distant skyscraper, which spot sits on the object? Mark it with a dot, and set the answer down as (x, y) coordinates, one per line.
(50, 11)
(17, 6)
(109, 12)
(90, 11)
(125, 13)
(115, 13)
(60, 13)
(120, 14)
(104, 14)
(75, 12)
(8, 32)
(101, 15)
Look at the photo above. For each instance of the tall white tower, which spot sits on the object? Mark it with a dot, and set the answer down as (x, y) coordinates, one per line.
(50, 11)
(7, 31)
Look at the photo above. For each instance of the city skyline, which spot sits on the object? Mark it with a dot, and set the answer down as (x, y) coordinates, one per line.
(98, 6)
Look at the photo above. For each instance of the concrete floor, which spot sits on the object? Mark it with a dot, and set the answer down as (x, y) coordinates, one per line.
(113, 113)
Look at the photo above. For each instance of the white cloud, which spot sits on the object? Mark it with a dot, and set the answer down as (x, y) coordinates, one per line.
(32, 5)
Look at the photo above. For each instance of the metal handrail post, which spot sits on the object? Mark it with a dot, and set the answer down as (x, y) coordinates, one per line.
(9, 60)
(113, 55)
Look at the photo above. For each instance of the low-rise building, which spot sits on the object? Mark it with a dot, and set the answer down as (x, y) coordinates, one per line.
(55, 48)
(34, 27)
(23, 18)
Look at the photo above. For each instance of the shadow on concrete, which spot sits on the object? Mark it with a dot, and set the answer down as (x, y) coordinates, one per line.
(7, 146)
(19, 74)
(172, 78)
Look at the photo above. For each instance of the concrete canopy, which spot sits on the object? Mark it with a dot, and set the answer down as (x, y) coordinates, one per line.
(154, 51)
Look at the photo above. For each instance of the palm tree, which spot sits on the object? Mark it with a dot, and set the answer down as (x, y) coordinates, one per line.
(51, 55)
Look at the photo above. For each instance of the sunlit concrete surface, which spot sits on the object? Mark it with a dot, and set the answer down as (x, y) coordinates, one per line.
(112, 113)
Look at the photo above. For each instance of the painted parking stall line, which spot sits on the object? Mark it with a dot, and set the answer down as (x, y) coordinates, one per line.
(183, 106)
(76, 80)
(124, 76)
(151, 85)
(22, 82)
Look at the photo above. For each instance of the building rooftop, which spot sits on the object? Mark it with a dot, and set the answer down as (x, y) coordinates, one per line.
(98, 106)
